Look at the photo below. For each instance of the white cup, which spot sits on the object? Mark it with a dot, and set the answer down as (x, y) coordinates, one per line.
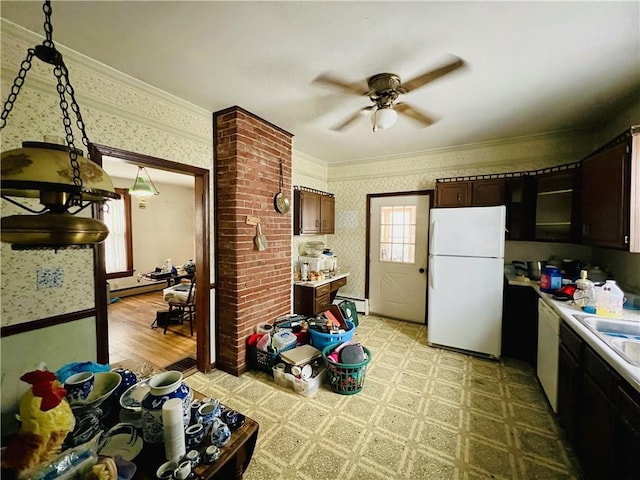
(165, 471)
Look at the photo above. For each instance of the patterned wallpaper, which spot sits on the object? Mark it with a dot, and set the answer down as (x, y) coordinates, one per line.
(351, 184)
(118, 111)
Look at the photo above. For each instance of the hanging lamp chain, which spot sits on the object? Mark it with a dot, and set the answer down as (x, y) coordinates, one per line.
(47, 53)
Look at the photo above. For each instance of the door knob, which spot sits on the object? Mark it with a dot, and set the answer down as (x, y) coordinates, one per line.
(421, 270)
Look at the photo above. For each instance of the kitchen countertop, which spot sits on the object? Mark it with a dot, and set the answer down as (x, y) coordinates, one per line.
(319, 283)
(566, 310)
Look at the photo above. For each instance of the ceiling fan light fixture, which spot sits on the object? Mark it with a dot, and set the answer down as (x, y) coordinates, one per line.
(383, 118)
(143, 188)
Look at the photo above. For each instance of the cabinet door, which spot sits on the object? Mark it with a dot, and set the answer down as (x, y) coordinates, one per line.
(569, 394)
(307, 213)
(487, 193)
(327, 214)
(453, 194)
(627, 460)
(520, 202)
(606, 187)
(598, 427)
(556, 206)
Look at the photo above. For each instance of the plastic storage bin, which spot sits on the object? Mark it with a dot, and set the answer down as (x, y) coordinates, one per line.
(306, 388)
(264, 361)
(345, 379)
(321, 340)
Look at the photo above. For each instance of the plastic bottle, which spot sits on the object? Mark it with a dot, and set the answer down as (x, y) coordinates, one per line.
(610, 300)
(585, 294)
(304, 271)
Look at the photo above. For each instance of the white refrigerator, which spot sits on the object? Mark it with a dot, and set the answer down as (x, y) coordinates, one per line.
(466, 279)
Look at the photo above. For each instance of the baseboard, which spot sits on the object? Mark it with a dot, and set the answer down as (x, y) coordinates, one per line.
(362, 304)
(137, 290)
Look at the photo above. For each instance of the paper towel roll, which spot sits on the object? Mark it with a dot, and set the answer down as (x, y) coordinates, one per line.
(173, 429)
(264, 327)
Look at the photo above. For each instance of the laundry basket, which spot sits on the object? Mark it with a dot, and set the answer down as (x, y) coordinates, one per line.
(345, 379)
(321, 340)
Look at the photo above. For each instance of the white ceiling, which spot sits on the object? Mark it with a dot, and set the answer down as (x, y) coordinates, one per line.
(532, 67)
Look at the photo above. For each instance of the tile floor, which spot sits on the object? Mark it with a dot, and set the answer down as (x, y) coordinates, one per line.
(424, 413)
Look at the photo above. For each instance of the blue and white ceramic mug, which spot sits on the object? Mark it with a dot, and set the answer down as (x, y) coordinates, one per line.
(79, 386)
(193, 436)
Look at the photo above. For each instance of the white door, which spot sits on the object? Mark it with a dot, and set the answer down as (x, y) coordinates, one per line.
(470, 232)
(398, 256)
(465, 303)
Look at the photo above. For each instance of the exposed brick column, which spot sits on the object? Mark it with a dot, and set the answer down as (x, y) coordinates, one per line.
(251, 286)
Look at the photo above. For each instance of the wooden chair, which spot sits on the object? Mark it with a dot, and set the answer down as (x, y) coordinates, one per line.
(183, 309)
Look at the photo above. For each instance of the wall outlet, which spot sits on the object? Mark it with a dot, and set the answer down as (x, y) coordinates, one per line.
(49, 278)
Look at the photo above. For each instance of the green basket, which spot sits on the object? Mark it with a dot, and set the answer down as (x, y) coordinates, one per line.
(345, 379)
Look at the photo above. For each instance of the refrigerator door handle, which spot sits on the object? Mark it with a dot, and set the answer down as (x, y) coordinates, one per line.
(432, 236)
(432, 280)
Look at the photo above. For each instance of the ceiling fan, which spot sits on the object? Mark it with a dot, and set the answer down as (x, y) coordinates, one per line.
(383, 89)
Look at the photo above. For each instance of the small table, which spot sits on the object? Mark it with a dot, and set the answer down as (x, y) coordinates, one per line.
(234, 459)
(233, 462)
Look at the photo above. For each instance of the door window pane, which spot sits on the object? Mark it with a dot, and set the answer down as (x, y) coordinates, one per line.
(398, 234)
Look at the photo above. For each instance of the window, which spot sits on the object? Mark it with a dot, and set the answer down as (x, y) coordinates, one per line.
(118, 246)
(398, 234)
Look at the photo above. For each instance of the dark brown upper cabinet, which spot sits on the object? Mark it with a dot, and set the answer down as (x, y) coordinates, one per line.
(606, 190)
(557, 206)
(313, 212)
(471, 193)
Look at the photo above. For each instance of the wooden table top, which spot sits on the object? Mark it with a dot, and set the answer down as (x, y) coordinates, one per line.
(234, 456)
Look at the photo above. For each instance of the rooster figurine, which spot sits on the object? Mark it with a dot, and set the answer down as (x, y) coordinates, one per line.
(46, 420)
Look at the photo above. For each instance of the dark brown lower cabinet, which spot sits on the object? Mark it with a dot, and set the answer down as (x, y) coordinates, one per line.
(598, 410)
(569, 387)
(598, 427)
(520, 324)
(627, 445)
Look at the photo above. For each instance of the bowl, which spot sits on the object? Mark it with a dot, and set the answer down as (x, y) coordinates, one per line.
(104, 385)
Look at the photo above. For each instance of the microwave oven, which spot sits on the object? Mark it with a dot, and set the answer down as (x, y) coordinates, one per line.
(317, 264)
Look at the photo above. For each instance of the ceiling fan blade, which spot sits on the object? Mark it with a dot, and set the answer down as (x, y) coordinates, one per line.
(409, 111)
(351, 119)
(432, 75)
(357, 87)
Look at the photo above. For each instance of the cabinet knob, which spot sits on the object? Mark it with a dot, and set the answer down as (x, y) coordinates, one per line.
(459, 197)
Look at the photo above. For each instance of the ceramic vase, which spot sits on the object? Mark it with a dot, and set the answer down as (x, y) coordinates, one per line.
(162, 387)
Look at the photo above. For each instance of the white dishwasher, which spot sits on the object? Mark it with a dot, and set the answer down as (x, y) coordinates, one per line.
(548, 345)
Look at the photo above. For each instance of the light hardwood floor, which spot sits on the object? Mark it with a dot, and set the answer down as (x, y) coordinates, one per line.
(132, 338)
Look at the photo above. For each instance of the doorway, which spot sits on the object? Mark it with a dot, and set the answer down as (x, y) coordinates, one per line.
(397, 250)
(203, 330)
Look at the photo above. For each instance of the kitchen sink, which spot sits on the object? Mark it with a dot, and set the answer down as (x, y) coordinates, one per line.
(629, 348)
(622, 335)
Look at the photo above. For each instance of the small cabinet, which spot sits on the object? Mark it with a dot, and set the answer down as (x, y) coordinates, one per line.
(309, 299)
(606, 187)
(557, 206)
(487, 193)
(314, 212)
(471, 193)
(453, 194)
